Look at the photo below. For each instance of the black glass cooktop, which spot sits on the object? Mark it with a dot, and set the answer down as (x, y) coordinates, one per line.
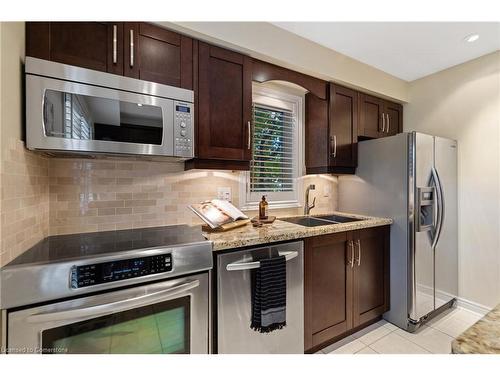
(62, 247)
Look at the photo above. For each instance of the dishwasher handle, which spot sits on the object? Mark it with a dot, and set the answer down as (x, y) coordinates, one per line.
(240, 266)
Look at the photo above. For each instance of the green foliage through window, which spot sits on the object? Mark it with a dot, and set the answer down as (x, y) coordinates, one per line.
(273, 133)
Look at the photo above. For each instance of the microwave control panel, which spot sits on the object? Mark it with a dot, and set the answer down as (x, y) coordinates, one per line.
(100, 273)
(183, 129)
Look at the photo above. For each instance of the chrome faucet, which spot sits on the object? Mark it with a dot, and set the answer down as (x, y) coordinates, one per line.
(307, 208)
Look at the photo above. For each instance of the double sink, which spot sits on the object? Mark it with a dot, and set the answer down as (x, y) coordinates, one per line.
(315, 221)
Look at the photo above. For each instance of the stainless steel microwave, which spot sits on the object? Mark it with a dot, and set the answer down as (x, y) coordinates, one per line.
(76, 110)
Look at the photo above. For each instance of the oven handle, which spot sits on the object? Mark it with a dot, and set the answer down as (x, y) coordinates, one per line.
(240, 266)
(109, 308)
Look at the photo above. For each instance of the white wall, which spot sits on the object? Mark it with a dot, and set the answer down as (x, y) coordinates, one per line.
(463, 103)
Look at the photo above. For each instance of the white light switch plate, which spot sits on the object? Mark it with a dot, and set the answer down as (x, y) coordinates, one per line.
(224, 193)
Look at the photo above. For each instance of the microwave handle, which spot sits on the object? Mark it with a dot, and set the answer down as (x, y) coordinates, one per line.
(109, 308)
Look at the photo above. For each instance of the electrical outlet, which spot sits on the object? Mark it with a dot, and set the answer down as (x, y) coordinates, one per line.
(327, 190)
(224, 193)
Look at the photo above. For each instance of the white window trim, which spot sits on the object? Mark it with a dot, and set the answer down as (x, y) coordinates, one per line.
(278, 99)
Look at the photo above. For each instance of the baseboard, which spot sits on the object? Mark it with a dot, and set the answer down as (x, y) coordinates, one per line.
(461, 302)
(473, 306)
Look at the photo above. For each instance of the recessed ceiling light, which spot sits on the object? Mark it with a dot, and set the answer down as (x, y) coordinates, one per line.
(471, 38)
(139, 104)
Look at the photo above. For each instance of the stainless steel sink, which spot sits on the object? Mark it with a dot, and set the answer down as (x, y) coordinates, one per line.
(337, 218)
(315, 221)
(306, 221)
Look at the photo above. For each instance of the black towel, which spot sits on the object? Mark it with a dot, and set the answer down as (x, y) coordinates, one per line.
(269, 295)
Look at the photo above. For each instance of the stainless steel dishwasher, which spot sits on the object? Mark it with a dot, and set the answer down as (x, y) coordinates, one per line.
(234, 334)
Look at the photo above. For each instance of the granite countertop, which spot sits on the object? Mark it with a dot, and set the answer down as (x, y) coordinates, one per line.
(481, 338)
(284, 231)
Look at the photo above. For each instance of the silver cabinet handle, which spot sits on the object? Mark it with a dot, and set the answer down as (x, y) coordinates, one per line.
(350, 245)
(241, 266)
(388, 123)
(334, 140)
(249, 128)
(383, 122)
(359, 252)
(109, 308)
(115, 43)
(131, 48)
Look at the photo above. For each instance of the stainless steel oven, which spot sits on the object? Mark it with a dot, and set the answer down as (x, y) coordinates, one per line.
(141, 301)
(163, 317)
(76, 110)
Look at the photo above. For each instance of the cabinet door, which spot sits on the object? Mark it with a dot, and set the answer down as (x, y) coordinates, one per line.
(371, 123)
(224, 104)
(327, 289)
(394, 118)
(343, 126)
(317, 144)
(92, 45)
(371, 274)
(154, 54)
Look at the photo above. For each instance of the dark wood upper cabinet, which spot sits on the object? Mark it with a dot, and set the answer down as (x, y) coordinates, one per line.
(335, 116)
(371, 110)
(331, 131)
(92, 45)
(343, 126)
(317, 152)
(378, 117)
(346, 284)
(224, 104)
(152, 53)
(327, 289)
(394, 118)
(134, 49)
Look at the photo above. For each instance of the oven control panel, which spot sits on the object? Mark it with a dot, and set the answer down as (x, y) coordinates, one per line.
(100, 273)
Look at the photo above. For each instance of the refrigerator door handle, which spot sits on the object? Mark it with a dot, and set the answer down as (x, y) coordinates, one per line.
(440, 207)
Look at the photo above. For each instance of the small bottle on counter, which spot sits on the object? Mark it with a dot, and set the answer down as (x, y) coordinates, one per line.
(263, 206)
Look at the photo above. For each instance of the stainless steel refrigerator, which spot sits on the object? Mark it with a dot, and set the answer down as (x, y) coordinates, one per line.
(411, 178)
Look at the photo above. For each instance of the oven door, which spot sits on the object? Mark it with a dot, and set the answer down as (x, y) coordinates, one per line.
(166, 317)
(76, 117)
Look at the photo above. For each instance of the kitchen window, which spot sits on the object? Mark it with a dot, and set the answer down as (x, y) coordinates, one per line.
(276, 149)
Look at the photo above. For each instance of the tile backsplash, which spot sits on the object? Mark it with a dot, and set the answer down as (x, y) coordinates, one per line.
(24, 199)
(88, 195)
(48, 196)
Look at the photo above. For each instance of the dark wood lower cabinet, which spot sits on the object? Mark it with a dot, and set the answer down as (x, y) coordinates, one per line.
(371, 274)
(346, 284)
(328, 289)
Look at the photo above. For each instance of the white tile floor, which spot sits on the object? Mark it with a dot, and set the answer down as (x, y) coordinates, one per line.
(434, 337)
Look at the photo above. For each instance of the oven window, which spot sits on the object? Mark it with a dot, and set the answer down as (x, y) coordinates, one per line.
(154, 329)
(75, 116)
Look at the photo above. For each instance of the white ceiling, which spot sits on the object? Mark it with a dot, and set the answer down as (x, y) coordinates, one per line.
(407, 50)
